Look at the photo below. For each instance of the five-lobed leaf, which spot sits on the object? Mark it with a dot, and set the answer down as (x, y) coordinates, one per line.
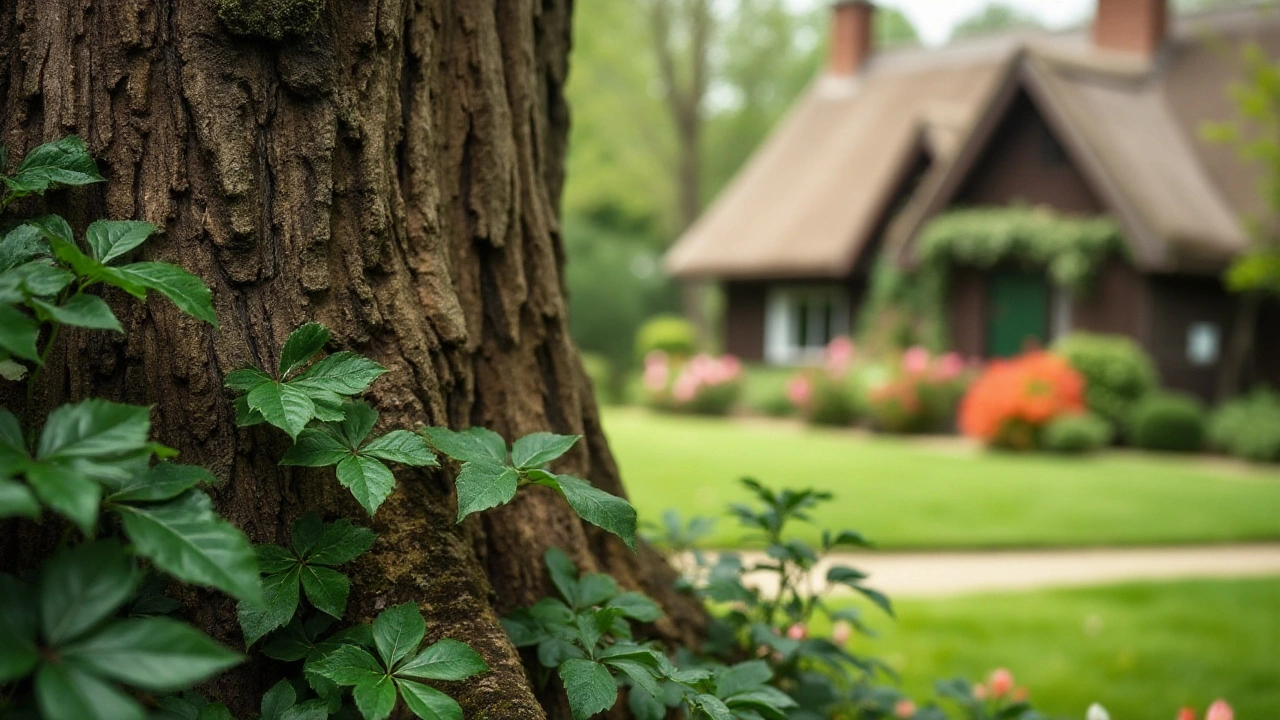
(444, 660)
(344, 373)
(397, 631)
(279, 603)
(283, 405)
(327, 589)
(427, 702)
(375, 697)
(339, 542)
(368, 480)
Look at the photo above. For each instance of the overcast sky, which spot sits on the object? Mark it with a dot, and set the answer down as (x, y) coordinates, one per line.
(935, 18)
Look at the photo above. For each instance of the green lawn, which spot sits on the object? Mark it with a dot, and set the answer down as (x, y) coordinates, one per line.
(1142, 650)
(910, 493)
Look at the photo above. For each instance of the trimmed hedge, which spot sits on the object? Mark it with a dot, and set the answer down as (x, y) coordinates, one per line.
(1076, 434)
(1168, 421)
(670, 334)
(1117, 372)
(1248, 427)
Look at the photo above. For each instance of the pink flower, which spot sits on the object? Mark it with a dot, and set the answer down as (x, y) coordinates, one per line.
(904, 709)
(730, 367)
(840, 633)
(839, 356)
(915, 360)
(655, 357)
(702, 367)
(949, 366)
(655, 376)
(800, 632)
(686, 387)
(980, 691)
(1220, 710)
(1001, 682)
(799, 391)
(1187, 713)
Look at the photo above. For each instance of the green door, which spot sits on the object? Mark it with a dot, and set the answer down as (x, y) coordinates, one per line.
(1017, 312)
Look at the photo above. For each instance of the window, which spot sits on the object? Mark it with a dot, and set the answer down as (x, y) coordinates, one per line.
(800, 321)
(1203, 343)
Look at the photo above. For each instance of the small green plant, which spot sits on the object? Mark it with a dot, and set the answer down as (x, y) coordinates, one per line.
(1076, 434)
(585, 635)
(379, 682)
(1248, 427)
(670, 334)
(1171, 422)
(1118, 373)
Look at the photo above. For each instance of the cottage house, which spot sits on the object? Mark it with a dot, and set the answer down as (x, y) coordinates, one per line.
(1103, 121)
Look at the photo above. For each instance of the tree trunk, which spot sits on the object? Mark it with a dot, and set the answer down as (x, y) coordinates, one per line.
(390, 168)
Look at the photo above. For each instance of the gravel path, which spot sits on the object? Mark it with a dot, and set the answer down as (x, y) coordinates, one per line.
(938, 574)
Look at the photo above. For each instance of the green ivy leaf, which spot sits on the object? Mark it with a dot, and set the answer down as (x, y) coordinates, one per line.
(18, 333)
(397, 631)
(187, 539)
(640, 674)
(401, 446)
(878, 598)
(283, 405)
(327, 589)
(345, 373)
(427, 702)
(538, 449)
(67, 491)
(109, 239)
(22, 244)
(368, 480)
(346, 665)
(81, 586)
(18, 621)
(471, 445)
(564, 574)
(599, 508)
(88, 311)
(595, 589)
(301, 345)
(38, 278)
(186, 291)
(154, 653)
(482, 485)
(65, 161)
(375, 698)
(65, 692)
(339, 543)
(445, 660)
(92, 428)
(315, 447)
(845, 575)
(713, 706)
(636, 606)
(590, 687)
(358, 418)
(279, 603)
(16, 500)
(273, 559)
(164, 481)
(246, 379)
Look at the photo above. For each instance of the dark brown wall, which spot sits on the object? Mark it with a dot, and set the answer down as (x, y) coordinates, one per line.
(1177, 301)
(1020, 165)
(744, 319)
(967, 311)
(1116, 301)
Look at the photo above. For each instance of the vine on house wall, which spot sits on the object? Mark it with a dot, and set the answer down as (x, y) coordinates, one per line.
(907, 307)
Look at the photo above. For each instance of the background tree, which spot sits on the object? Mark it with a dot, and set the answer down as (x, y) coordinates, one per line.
(392, 169)
(996, 17)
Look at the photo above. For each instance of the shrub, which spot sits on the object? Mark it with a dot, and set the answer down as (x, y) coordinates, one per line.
(1014, 399)
(703, 385)
(1248, 427)
(1076, 434)
(670, 334)
(1117, 373)
(825, 396)
(1168, 421)
(920, 394)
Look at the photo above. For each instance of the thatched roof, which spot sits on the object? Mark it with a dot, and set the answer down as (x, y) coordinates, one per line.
(814, 195)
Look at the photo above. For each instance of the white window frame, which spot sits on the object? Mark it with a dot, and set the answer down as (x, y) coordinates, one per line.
(781, 332)
(1062, 311)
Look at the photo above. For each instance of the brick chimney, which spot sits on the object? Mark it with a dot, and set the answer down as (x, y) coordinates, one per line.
(851, 37)
(1132, 26)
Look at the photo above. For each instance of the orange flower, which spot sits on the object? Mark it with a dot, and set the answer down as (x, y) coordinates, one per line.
(904, 709)
(1014, 398)
(1001, 682)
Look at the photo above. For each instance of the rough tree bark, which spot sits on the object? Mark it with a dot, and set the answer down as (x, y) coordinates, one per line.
(391, 168)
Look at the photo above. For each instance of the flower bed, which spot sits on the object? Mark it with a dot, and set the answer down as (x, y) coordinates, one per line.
(702, 385)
